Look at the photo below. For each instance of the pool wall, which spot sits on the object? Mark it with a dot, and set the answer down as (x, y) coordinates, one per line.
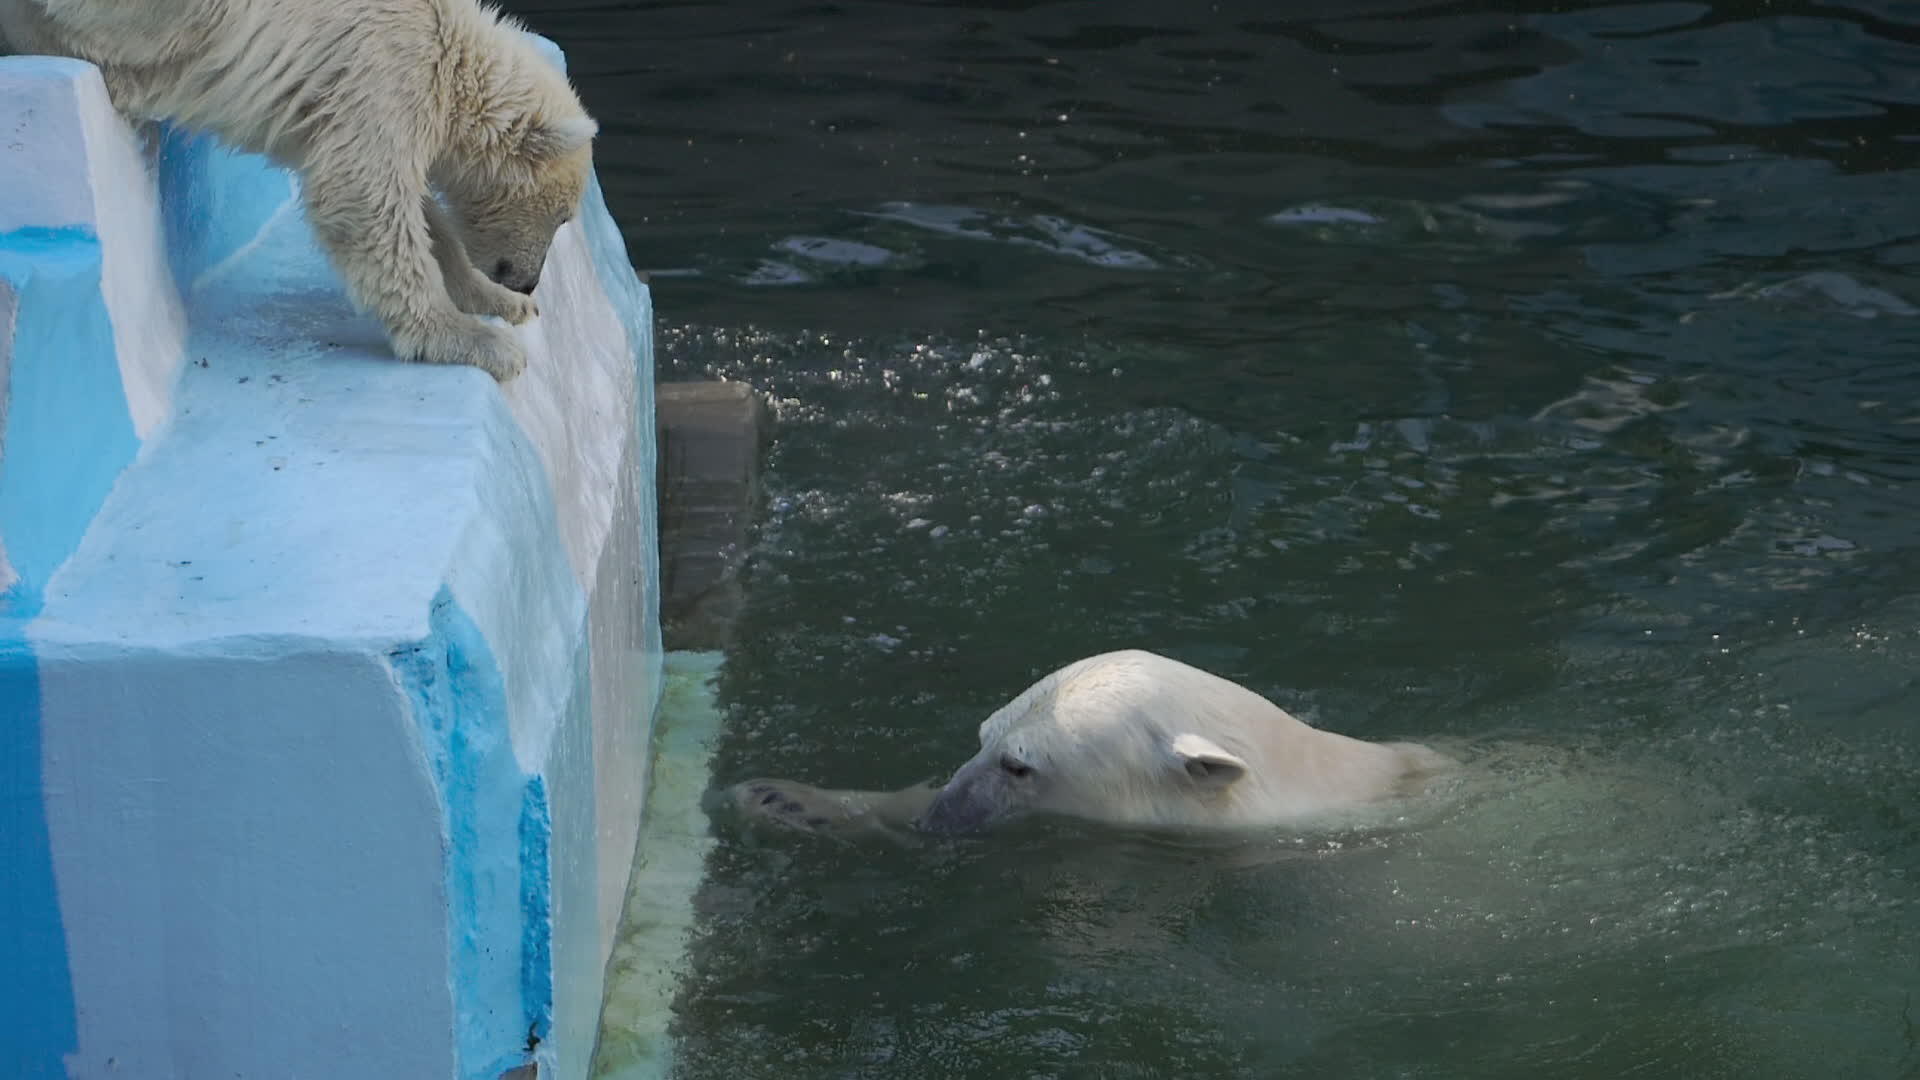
(326, 681)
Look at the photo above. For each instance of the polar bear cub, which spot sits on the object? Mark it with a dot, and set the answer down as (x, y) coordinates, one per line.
(1129, 738)
(378, 104)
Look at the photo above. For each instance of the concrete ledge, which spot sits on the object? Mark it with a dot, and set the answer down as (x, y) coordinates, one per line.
(636, 1041)
(71, 164)
(325, 680)
(713, 436)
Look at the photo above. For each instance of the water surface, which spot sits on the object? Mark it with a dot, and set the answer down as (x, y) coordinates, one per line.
(1537, 377)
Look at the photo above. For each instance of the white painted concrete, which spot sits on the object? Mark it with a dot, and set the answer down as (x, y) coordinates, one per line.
(339, 692)
(69, 160)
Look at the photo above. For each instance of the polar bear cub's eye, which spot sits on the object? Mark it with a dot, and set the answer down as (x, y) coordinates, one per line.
(1014, 767)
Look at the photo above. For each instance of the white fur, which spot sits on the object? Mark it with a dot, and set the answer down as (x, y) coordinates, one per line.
(378, 104)
(1126, 738)
(1136, 738)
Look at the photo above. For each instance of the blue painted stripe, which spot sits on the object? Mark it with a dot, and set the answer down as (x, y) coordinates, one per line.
(536, 907)
(68, 433)
(498, 885)
(36, 993)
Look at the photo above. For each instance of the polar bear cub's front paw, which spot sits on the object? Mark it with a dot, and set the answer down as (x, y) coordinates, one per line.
(466, 340)
(477, 294)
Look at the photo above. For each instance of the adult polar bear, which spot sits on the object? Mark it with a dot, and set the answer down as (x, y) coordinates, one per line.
(377, 104)
(1128, 738)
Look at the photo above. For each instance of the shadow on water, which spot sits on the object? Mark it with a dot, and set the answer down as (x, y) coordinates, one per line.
(1539, 378)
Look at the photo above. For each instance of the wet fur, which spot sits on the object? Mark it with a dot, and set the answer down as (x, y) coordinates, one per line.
(1104, 739)
(789, 804)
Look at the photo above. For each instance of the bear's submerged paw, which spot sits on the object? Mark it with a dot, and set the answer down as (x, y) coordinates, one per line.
(789, 804)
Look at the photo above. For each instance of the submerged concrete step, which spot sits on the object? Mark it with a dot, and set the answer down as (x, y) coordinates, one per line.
(713, 437)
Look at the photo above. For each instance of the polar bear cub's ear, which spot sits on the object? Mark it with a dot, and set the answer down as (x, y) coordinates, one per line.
(1206, 761)
(556, 137)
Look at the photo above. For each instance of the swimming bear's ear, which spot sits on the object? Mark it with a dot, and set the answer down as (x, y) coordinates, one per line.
(1205, 761)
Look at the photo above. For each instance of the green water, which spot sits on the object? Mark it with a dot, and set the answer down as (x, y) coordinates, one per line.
(1682, 647)
(1540, 379)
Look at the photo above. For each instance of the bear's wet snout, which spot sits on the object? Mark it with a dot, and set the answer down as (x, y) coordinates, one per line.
(955, 812)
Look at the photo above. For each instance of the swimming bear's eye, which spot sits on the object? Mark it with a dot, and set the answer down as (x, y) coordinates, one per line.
(1015, 768)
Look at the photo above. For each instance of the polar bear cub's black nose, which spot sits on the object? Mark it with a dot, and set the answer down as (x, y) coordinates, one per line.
(505, 273)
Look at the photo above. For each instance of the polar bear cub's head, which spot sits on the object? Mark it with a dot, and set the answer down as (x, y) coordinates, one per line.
(519, 170)
(1134, 738)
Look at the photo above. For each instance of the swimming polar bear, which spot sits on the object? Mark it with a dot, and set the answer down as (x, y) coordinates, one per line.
(1127, 738)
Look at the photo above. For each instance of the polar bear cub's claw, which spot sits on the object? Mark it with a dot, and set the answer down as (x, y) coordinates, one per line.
(491, 348)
